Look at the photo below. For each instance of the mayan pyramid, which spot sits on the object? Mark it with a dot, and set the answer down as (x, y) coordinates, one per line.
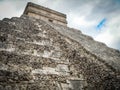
(39, 52)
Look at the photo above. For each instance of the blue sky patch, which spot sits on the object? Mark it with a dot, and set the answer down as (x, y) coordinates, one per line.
(101, 24)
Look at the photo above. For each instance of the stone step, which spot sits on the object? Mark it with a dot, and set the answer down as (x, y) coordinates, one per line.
(43, 85)
(60, 70)
(35, 47)
(22, 34)
(29, 60)
(14, 34)
(20, 25)
(22, 21)
(22, 46)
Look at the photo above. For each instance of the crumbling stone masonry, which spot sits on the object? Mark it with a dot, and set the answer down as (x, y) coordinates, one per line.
(40, 55)
(45, 14)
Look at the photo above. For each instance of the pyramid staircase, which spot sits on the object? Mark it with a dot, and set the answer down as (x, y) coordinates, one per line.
(38, 55)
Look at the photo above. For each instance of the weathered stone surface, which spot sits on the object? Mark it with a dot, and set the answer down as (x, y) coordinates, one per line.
(38, 55)
(45, 14)
(108, 55)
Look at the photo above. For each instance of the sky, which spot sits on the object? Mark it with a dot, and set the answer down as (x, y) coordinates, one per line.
(99, 19)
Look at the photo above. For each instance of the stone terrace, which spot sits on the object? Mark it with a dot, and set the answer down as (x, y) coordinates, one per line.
(39, 55)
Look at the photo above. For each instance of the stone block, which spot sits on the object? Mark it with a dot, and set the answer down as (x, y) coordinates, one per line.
(8, 88)
(62, 68)
(16, 87)
(77, 84)
(45, 70)
(65, 86)
(1, 87)
(23, 87)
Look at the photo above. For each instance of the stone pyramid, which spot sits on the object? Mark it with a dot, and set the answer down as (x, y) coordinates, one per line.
(40, 55)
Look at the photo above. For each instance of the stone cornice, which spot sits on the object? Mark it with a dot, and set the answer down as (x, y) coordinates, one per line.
(44, 8)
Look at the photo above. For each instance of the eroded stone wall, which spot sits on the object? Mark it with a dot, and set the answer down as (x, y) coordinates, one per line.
(34, 56)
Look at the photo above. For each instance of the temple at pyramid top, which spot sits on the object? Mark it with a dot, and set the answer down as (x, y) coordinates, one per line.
(46, 14)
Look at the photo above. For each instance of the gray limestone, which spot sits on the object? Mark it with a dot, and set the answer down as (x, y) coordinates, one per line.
(39, 55)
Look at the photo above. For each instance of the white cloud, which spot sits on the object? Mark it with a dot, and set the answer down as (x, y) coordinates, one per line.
(81, 14)
(111, 33)
(7, 10)
(105, 37)
(12, 8)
